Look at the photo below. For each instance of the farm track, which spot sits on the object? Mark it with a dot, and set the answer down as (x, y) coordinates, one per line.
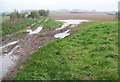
(31, 43)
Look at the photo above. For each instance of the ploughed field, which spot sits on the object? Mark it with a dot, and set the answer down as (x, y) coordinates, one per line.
(96, 17)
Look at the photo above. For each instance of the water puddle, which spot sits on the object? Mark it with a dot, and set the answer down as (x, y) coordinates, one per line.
(62, 35)
(9, 44)
(70, 22)
(8, 60)
(73, 25)
(35, 31)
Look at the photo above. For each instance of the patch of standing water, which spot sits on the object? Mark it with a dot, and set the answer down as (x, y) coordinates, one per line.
(62, 35)
(9, 44)
(8, 60)
(72, 25)
(70, 22)
(35, 31)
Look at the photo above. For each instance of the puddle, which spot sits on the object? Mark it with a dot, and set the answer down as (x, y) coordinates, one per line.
(70, 22)
(35, 31)
(9, 44)
(73, 26)
(7, 61)
(62, 35)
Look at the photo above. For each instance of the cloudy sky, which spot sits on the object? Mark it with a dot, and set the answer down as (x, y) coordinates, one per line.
(99, 5)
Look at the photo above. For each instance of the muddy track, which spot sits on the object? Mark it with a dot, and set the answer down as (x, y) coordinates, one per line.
(31, 43)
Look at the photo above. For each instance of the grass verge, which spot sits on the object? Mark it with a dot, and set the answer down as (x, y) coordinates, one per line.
(90, 54)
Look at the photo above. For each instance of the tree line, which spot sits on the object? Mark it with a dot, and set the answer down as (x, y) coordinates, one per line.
(33, 14)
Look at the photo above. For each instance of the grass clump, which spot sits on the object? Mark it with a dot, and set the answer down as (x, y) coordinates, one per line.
(52, 24)
(90, 54)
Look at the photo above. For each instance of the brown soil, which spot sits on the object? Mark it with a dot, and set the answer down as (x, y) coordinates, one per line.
(96, 17)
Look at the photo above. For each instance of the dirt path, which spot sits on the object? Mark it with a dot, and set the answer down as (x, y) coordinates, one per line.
(31, 43)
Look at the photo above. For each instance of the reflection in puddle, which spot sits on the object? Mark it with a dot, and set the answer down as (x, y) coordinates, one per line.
(73, 26)
(70, 22)
(9, 44)
(35, 31)
(8, 60)
(62, 35)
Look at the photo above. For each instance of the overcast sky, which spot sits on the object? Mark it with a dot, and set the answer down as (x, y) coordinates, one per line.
(99, 5)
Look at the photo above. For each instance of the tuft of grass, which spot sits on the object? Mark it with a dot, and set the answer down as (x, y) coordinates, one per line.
(90, 54)
(21, 34)
(52, 24)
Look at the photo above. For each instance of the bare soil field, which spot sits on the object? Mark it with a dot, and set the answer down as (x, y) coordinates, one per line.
(95, 17)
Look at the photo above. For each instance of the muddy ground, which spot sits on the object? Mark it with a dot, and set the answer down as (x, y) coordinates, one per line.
(31, 43)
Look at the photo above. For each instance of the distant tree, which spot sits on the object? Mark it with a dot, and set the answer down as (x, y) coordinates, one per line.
(3, 14)
(22, 15)
(46, 12)
(41, 12)
(14, 15)
(34, 14)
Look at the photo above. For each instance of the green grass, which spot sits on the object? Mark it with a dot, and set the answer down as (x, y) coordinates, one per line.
(21, 34)
(13, 28)
(52, 24)
(40, 23)
(92, 53)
